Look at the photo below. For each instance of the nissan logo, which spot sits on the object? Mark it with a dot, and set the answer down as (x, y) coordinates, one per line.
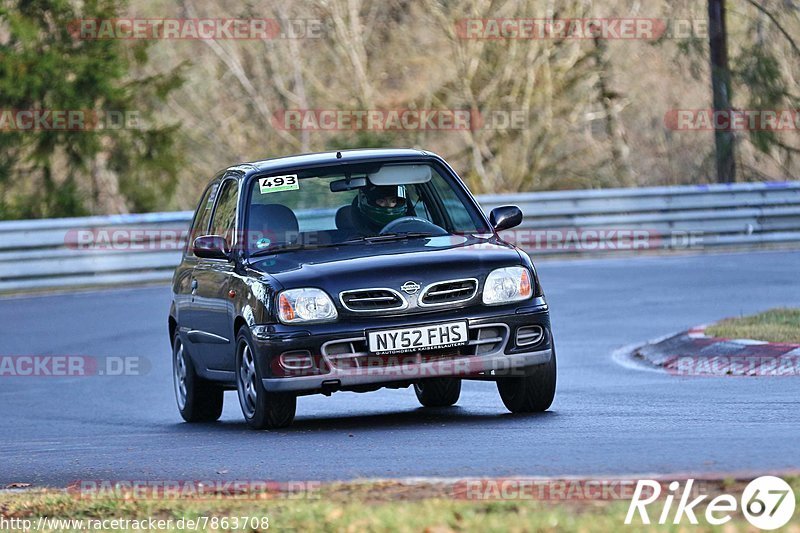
(410, 287)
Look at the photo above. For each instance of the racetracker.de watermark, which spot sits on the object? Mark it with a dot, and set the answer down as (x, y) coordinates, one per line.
(178, 29)
(600, 28)
(142, 239)
(398, 366)
(734, 365)
(177, 489)
(68, 366)
(556, 490)
(733, 120)
(25, 120)
(401, 119)
(602, 239)
(126, 239)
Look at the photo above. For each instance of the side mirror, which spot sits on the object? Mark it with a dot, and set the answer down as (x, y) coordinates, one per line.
(211, 247)
(506, 217)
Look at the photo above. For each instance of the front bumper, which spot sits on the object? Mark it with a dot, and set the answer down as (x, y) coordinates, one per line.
(495, 350)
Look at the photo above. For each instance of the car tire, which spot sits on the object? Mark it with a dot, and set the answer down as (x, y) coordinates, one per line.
(438, 392)
(261, 409)
(198, 400)
(532, 393)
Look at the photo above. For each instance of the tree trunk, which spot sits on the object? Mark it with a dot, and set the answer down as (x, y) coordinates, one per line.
(721, 87)
(614, 127)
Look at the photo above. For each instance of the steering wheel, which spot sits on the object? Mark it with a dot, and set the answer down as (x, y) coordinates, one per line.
(412, 225)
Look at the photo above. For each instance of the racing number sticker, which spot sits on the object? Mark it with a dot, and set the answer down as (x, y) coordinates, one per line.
(279, 183)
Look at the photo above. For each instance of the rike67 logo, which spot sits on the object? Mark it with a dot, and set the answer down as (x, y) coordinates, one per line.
(767, 503)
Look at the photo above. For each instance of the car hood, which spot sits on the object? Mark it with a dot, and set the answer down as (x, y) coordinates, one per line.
(389, 264)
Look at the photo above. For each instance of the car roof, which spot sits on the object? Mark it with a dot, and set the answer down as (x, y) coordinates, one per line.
(329, 158)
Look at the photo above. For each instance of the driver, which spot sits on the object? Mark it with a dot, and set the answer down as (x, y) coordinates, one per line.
(379, 205)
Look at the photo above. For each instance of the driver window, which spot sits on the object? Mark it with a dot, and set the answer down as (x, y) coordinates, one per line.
(224, 220)
(202, 217)
(460, 217)
(419, 207)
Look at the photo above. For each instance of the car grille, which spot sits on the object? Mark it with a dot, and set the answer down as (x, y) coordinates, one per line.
(449, 292)
(529, 335)
(488, 339)
(347, 353)
(372, 300)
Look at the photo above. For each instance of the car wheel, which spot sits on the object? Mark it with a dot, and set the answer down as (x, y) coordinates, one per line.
(198, 400)
(261, 409)
(438, 392)
(532, 393)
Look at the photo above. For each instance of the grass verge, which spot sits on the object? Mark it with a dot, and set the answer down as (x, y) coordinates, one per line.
(388, 506)
(775, 325)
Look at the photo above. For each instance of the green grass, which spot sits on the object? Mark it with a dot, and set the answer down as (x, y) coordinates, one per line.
(368, 507)
(775, 325)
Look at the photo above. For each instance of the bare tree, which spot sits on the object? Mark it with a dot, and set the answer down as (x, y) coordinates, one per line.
(721, 89)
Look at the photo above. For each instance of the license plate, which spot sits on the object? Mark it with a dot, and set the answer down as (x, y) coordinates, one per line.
(418, 338)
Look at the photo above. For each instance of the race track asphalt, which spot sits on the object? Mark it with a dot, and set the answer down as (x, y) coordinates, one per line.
(608, 419)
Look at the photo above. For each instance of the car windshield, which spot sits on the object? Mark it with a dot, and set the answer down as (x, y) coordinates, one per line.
(347, 204)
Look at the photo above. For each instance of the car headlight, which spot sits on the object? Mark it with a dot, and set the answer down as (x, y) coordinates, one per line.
(297, 306)
(505, 285)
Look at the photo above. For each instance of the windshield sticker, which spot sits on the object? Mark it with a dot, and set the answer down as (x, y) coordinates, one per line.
(279, 183)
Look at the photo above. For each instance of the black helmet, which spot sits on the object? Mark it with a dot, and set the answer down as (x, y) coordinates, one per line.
(369, 204)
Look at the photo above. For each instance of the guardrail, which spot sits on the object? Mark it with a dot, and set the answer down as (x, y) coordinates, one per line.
(45, 254)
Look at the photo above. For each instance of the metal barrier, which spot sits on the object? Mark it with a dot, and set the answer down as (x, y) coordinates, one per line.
(47, 254)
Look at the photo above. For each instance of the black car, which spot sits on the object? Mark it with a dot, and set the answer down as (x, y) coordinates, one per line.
(352, 271)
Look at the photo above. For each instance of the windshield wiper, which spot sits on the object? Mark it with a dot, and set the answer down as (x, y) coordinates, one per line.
(391, 237)
(374, 238)
(290, 248)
